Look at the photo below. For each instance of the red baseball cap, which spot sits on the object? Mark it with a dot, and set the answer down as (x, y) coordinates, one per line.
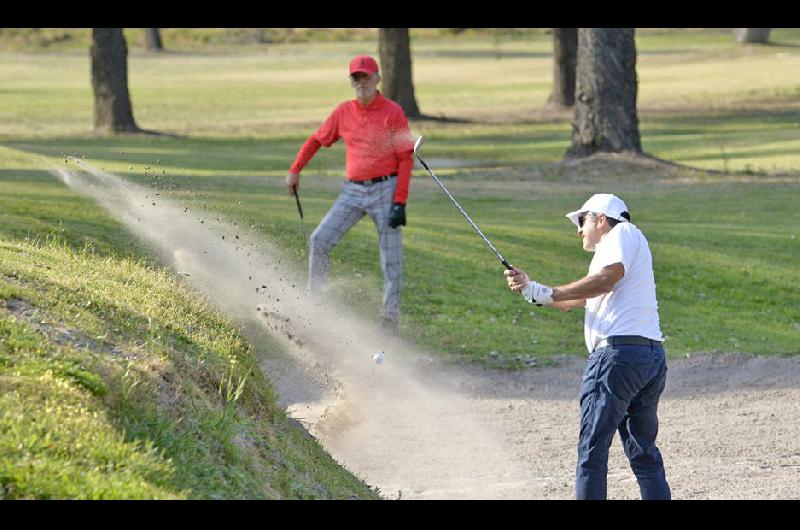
(363, 63)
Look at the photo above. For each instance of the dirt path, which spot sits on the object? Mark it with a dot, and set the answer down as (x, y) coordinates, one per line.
(416, 428)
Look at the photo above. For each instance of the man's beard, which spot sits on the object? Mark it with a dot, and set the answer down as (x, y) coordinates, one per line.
(365, 92)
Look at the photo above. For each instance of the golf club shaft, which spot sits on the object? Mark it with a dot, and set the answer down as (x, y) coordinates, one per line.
(460, 209)
(300, 210)
(297, 200)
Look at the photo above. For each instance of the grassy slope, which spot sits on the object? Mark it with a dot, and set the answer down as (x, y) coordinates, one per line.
(117, 381)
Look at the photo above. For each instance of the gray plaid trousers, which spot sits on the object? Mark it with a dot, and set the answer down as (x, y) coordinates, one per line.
(353, 203)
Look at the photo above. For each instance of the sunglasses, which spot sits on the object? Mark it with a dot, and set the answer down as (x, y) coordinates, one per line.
(360, 76)
(582, 218)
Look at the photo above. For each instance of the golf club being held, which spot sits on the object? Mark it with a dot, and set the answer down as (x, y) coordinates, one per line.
(300, 210)
(417, 145)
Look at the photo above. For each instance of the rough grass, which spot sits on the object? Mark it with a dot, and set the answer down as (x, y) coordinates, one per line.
(118, 382)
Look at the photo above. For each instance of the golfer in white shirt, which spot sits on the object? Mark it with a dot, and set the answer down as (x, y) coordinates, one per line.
(626, 371)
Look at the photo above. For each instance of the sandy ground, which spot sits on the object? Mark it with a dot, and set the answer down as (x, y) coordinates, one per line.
(729, 427)
(419, 429)
(729, 430)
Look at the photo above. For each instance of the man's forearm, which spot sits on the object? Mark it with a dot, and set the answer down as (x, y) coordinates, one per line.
(403, 178)
(569, 304)
(587, 287)
(306, 153)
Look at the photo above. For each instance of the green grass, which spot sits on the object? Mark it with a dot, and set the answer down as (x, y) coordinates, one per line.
(118, 382)
(245, 114)
(699, 93)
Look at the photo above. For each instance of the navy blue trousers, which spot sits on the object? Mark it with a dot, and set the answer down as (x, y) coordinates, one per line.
(619, 393)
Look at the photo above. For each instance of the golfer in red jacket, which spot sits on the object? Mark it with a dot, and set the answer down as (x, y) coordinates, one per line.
(378, 169)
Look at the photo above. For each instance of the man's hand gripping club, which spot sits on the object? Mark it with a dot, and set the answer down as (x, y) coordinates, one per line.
(292, 183)
(533, 292)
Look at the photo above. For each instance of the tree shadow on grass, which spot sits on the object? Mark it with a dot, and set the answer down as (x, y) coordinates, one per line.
(135, 131)
(703, 116)
(164, 151)
(441, 118)
(34, 205)
(773, 44)
(482, 54)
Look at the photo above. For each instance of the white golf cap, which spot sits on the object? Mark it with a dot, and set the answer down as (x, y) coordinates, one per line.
(605, 203)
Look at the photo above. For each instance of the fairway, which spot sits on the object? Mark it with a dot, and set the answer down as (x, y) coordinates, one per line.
(205, 202)
(241, 117)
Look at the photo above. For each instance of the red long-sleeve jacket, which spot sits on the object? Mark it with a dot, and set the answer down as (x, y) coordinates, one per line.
(377, 138)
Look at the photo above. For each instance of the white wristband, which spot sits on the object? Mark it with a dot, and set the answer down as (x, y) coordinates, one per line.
(538, 294)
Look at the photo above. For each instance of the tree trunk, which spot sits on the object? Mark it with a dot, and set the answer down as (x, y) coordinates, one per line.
(152, 40)
(605, 110)
(395, 54)
(752, 35)
(565, 56)
(258, 36)
(112, 102)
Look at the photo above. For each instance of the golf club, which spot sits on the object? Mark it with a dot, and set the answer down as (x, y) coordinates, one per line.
(300, 210)
(417, 145)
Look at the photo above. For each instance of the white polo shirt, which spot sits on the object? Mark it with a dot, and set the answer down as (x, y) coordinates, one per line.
(631, 307)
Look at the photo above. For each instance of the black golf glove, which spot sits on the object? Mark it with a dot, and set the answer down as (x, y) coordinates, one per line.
(397, 215)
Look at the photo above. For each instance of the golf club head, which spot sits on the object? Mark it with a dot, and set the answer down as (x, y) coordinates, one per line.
(418, 144)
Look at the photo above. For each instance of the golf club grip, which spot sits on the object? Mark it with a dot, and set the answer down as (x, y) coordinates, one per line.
(509, 267)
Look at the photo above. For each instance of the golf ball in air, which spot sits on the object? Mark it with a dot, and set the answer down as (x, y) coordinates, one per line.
(378, 357)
